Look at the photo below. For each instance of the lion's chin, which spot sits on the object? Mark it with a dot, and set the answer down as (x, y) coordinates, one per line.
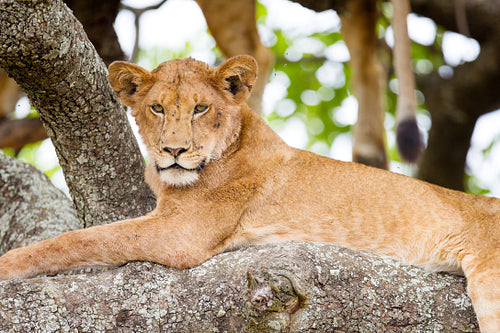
(177, 177)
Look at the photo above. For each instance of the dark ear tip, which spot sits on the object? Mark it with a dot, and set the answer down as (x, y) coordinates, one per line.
(237, 75)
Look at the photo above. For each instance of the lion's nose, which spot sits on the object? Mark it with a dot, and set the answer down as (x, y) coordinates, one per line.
(174, 151)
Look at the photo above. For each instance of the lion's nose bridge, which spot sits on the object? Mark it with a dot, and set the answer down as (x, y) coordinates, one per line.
(176, 135)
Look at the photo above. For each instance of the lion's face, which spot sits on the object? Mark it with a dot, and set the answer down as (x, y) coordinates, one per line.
(187, 111)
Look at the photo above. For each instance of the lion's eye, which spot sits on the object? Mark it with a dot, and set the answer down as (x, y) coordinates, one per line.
(200, 108)
(157, 108)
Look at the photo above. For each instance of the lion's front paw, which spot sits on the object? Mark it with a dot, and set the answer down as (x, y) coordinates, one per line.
(16, 264)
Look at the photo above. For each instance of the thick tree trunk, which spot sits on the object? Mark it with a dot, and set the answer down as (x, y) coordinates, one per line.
(455, 104)
(44, 48)
(287, 287)
(97, 17)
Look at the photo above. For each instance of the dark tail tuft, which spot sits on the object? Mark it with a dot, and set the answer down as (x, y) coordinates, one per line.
(409, 140)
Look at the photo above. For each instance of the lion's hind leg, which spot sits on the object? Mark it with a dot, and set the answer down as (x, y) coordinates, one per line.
(368, 82)
(483, 285)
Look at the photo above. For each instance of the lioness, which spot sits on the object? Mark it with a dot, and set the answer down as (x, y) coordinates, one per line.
(223, 179)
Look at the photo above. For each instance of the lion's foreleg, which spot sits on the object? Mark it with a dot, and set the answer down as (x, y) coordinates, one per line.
(145, 238)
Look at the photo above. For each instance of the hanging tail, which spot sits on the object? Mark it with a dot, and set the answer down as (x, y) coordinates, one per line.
(409, 139)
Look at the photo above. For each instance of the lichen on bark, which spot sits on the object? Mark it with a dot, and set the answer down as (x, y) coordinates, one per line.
(341, 291)
(31, 208)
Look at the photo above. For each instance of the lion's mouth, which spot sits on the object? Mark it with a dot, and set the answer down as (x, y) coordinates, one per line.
(177, 166)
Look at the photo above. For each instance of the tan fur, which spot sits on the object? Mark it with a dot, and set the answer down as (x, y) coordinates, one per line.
(409, 141)
(406, 106)
(255, 189)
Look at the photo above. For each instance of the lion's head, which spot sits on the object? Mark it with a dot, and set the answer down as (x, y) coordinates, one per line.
(187, 111)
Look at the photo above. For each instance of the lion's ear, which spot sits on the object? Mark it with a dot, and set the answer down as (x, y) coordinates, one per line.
(237, 75)
(127, 79)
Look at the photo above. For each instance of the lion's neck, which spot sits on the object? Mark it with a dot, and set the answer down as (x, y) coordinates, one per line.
(256, 145)
(256, 135)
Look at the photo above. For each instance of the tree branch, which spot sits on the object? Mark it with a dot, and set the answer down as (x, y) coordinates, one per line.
(292, 287)
(44, 48)
(455, 104)
(137, 16)
(97, 17)
(16, 133)
(481, 15)
(31, 208)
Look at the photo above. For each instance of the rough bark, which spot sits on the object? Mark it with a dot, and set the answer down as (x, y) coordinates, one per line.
(44, 48)
(31, 208)
(287, 287)
(97, 18)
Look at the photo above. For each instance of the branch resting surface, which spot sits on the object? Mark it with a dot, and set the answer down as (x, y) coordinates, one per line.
(293, 286)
